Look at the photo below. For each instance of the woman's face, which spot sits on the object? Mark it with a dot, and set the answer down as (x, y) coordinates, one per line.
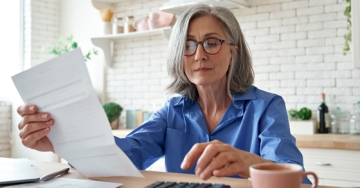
(202, 68)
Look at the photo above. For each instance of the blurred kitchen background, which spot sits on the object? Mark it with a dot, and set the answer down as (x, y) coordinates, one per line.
(297, 48)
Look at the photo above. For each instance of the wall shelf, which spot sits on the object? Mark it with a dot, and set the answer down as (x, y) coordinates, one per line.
(105, 42)
(101, 4)
(173, 6)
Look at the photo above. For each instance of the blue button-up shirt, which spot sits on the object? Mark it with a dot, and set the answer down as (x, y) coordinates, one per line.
(255, 122)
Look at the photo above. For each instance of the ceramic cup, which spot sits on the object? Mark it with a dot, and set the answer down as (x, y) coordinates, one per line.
(276, 175)
(153, 20)
(107, 28)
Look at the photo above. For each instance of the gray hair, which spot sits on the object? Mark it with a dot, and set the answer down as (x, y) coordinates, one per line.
(240, 75)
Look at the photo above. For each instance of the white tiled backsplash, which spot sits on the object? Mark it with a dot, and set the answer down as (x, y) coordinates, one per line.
(5, 120)
(296, 47)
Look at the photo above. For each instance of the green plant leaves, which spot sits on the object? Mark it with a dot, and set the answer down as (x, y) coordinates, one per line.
(62, 46)
(112, 110)
(74, 45)
(303, 114)
(348, 34)
(293, 114)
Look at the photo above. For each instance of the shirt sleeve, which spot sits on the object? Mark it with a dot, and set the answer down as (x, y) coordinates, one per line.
(276, 142)
(145, 144)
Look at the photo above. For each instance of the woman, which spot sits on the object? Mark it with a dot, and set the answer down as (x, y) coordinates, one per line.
(219, 120)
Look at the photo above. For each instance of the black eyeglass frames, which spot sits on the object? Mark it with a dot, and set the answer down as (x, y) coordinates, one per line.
(210, 46)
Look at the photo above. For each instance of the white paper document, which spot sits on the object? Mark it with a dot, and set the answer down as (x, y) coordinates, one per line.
(67, 182)
(81, 133)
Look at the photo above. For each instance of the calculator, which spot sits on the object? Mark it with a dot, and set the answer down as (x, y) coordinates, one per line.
(162, 184)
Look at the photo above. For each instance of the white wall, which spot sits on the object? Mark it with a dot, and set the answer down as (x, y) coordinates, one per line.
(296, 47)
(41, 20)
(5, 121)
(80, 19)
(9, 65)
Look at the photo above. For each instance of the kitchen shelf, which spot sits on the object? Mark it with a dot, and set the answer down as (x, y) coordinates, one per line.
(101, 4)
(173, 6)
(105, 42)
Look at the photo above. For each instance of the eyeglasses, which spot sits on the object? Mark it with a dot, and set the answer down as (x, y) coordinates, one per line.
(210, 46)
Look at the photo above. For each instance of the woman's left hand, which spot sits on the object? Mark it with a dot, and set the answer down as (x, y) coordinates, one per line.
(219, 159)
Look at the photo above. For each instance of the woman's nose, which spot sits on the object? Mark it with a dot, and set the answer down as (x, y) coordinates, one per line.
(200, 53)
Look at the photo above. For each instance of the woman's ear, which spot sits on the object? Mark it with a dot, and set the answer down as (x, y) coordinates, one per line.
(236, 48)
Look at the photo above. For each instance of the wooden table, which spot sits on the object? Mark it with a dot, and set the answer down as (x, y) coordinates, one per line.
(150, 177)
(329, 141)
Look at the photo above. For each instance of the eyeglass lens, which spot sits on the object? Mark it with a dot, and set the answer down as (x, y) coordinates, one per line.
(211, 46)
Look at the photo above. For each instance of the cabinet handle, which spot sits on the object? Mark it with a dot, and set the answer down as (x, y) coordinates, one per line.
(323, 164)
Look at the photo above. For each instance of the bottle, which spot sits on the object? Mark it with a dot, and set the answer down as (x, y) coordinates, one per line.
(355, 120)
(323, 116)
(340, 121)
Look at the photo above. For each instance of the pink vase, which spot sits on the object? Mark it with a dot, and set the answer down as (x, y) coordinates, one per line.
(142, 24)
(153, 20)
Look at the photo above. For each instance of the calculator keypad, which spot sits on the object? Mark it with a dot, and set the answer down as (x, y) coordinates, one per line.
(162, 184)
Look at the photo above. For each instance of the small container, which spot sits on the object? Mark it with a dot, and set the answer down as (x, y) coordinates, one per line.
(340, 122)
(128, 24)
(107, 28)
(153, 20)
(355, 120)
(118, 26)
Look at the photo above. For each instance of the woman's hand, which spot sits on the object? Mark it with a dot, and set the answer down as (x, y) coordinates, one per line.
(219, 159)
(34, 127)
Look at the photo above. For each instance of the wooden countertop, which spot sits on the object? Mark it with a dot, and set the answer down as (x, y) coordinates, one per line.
(325, 141)
(329, 141)
(150, 177)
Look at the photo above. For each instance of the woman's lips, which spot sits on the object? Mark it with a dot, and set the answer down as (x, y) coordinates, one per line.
(202, 69)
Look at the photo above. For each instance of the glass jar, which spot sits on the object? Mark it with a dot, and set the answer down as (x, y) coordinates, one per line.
(118, 26)
(129, 24)
(355, 120)
(340, 122)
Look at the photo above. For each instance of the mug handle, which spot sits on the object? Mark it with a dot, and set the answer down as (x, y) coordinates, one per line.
(315, 178)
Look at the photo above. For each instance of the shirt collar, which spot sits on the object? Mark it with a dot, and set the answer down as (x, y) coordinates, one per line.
(237, 98)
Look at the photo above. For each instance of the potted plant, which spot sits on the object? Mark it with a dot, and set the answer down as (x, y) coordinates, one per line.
(348, 34)
(63, 46)
(113, 112)
(301, 122)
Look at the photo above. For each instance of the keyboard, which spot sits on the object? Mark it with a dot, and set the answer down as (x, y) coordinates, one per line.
(162, 184)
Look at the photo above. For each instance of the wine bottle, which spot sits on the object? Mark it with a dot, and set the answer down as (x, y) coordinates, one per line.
(323, 116)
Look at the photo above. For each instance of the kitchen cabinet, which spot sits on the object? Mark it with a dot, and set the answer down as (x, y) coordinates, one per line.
(105, 42)
(355, 11)
(334, 167)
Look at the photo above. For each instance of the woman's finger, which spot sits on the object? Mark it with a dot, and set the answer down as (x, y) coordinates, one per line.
(26, 109)
(31, 140)
(193, 155)
(210, 152)
(31, 128)
(222, 159)
(38, 117)
(227, 170)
